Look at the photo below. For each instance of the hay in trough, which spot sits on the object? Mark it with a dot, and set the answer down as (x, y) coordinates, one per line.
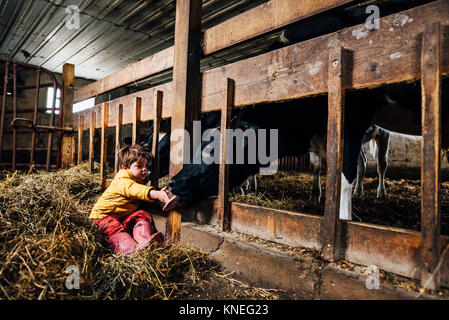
(44, 229)
(401, 208)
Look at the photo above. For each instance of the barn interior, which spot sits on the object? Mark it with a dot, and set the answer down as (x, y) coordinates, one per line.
(114, 35)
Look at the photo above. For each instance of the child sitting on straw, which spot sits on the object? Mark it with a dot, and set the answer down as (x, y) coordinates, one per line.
(116, 213)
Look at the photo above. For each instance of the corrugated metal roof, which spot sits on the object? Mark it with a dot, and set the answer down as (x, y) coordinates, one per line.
(112, 33)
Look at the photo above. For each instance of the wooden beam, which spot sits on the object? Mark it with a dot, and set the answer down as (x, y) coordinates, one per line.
(173, 226)
(80, 138)
(35, 109)
(104, 142)
(335, 139)
(14, 115)
(68, 84)
(430, 155)
(186, 88)
(93, 120)
(137, 116)
(2, 116)
(158, 62)
(186, 72)
(223, 212)
(267, 17)
(118, 137)
(157, 111)
(281, 226)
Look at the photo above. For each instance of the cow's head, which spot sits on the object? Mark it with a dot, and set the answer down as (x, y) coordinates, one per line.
(195, 182)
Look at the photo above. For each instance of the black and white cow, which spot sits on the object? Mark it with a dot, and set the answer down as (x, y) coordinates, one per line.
(375, 139)
(378, 141)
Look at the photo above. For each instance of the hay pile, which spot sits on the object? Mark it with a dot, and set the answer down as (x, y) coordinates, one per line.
(44, 229)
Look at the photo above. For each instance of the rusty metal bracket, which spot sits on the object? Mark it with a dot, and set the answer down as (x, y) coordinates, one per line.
(28, 123)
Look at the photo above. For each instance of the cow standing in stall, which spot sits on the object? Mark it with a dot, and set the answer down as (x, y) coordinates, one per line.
(376, 139)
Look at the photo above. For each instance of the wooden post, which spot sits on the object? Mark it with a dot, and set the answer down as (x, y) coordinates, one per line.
(430, 155)
(14, 108)
(2, 117)
(118, 137)
(186, 88)
(36, 105)
(335, 140)
(104, 142)
(80, 138)
(93, 120)
(136, 119)
(68, 83)
(157, 114)
(223, 212)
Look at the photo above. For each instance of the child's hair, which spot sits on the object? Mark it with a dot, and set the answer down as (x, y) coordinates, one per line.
(130, 154)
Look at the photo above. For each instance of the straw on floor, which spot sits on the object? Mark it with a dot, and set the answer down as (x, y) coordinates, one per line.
(44, 230)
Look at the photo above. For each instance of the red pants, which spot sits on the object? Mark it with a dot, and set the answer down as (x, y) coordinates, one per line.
(131, 234)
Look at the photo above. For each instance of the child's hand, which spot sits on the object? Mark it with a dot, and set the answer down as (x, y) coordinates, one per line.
(160, 195)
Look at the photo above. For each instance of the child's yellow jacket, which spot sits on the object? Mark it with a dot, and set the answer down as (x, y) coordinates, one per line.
(122, 197)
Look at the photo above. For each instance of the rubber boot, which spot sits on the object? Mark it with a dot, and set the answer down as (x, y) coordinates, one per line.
(122, 243)
(143, 233)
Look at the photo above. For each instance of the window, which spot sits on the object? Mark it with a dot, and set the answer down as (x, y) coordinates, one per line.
(49, 103)
(83, 105)
(79, 106)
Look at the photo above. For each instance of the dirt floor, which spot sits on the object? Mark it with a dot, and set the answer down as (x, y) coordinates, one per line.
(401, 207)
(224, 287)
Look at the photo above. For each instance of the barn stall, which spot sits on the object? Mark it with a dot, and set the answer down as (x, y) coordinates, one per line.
(398, 54)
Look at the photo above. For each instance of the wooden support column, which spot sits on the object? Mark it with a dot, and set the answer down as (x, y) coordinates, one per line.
(223, 212)
(335, 140)
(36, 106)
(104, 141)
(93, 120)
(68, 94)
(80, 138)
(157, 114)
(14, 115)
(430, 155)
(136, 119)
(2, 117)
(186, 89)
(118, 137)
